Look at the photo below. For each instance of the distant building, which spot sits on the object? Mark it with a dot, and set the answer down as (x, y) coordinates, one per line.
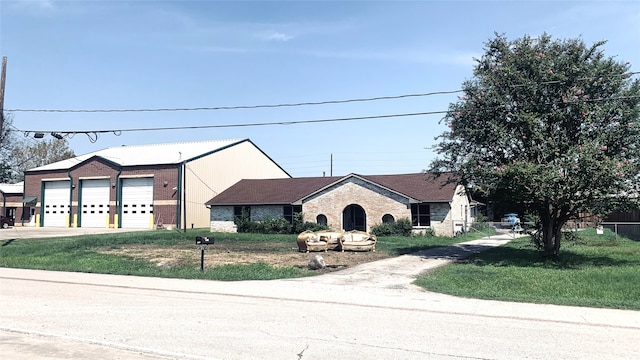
(352, 202)
(11, 203)
(142, 186)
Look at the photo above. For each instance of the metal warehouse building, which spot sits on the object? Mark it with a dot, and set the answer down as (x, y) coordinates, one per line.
(144, 186)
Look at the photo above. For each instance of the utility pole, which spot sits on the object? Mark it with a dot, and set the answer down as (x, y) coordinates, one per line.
(331, 169)
(2, 77)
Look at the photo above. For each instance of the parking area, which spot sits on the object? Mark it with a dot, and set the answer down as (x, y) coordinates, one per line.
(26, 232)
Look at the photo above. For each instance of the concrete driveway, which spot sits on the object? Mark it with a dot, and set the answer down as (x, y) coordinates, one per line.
(28, 232)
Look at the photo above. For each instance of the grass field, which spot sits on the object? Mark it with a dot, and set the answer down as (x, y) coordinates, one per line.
(593, 270)
(174, 254)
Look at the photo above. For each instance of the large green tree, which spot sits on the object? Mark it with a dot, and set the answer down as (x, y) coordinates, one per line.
(552, 125)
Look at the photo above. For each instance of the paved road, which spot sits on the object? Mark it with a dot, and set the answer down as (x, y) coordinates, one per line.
(355, 314)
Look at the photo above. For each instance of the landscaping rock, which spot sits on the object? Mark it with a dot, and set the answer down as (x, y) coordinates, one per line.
(317, 263)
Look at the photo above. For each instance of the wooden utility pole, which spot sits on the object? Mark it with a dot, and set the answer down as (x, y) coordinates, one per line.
(2, 77)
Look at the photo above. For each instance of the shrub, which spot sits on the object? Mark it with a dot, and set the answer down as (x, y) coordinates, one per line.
(402, 227)
(299, 225)
(271, 225)
(276, 225)
(382, 230)
(428, 232)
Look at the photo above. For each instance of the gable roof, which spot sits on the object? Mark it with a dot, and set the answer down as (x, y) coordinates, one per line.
(420, 187)
(151, 154)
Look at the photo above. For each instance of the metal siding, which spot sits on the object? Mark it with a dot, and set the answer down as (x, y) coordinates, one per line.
(95, 203)
(212, 174)
(137, 203)
(55, 209)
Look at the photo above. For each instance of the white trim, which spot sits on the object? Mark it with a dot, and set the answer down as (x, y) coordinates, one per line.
(137, 176)
(94, 177)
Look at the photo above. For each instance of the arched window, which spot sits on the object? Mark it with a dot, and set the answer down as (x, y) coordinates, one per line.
(354, 218)
(321, 220)
(388, 219)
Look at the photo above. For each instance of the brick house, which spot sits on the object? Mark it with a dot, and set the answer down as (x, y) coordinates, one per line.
(143, 186)
(347, 203)
(12, 202)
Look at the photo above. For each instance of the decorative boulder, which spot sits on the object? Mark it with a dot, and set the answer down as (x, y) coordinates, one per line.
(317, 263)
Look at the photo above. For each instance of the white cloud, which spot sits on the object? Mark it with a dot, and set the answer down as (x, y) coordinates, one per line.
(276, 36)
(38, 4)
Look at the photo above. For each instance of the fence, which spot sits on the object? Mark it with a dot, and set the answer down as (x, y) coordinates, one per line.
(629, 230)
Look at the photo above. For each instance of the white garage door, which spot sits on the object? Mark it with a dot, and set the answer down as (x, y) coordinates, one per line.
(94, 211)
(137, 203)
(55, 210)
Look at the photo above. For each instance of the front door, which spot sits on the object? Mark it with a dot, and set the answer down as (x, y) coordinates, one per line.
(354, 218)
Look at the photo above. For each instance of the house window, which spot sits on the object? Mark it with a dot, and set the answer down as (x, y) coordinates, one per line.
(241, 211)
(388, 219)
(420, 214)
(289, 212)
(321, 220)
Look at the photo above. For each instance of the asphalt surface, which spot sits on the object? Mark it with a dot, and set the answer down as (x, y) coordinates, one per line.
(368, 311)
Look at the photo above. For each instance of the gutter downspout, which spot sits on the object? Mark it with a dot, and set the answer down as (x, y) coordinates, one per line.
(24, 186)
(179, 198)
(70, 198)
(4, 202)
(184, 196)
(117, 221)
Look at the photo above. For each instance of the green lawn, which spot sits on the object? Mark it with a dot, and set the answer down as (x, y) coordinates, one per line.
(594, 270)
(86, 253)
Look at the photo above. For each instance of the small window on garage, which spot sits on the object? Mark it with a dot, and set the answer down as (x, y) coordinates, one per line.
(388, 219)
(321, 220)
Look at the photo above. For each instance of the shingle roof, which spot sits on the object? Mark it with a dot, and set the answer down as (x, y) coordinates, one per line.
(152, 154)
(421, 187)
(270, 191)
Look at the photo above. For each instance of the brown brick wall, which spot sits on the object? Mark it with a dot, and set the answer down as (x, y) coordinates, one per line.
(165, 197)
(12, 201)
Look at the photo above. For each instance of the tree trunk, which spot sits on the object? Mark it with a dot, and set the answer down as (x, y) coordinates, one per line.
(551, 235)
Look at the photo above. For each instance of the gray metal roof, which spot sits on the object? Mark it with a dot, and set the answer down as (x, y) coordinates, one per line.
(151, 154)
(12, 188)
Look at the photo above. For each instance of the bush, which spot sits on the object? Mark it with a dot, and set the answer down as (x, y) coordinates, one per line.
(271, 225)
(402, 227)
(299, 225)
(276, 225)
(382, 230)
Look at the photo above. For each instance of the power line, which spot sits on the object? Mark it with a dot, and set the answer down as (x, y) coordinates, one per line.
(311, 103)
(93, 134)
(118, 131)
(241, 106)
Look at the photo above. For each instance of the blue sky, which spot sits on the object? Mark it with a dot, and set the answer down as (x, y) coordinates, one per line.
(189, 54)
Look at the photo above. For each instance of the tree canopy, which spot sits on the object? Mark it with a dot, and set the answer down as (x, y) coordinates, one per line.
(552, 125)
(18, 153)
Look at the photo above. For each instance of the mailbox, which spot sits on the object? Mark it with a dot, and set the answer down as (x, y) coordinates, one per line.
(204, 240)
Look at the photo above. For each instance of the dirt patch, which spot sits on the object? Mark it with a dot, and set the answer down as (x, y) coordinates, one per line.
(240, 253)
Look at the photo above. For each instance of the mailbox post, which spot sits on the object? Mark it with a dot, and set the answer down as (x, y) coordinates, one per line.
(203, 242)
